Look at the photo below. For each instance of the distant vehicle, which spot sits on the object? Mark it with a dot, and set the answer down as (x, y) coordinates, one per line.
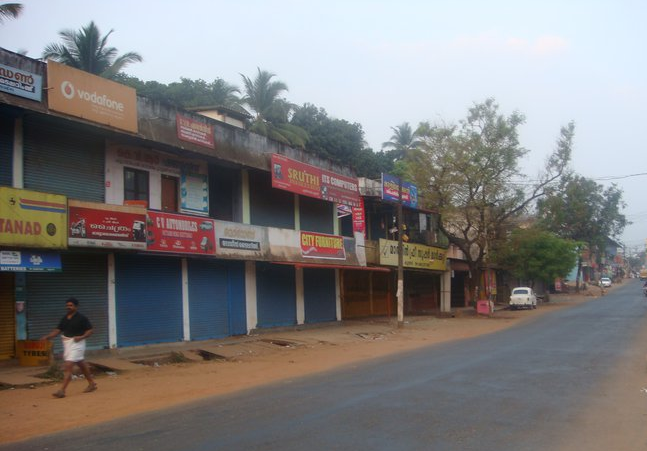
(523, 297)
(643, 274)
(605, 282)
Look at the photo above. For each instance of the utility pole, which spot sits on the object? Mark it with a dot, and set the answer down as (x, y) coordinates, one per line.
(400, 292)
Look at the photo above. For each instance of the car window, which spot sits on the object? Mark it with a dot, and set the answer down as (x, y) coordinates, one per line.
(520, 291)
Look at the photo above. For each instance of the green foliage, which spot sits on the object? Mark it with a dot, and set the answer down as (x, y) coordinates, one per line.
(403, 142)
(581, 209)
(87, 50)
(537, 255)
(9, 11)
(465, 171)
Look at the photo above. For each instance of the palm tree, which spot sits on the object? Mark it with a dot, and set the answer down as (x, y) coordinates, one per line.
(87, 50)
(272, 112)
(403, 141)
(9, 11)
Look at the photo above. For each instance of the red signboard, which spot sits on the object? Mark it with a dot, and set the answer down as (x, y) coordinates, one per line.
(106, 226)
(359, 218)
(193, 131)
(168, 232)
(296, 177)
(319, 245)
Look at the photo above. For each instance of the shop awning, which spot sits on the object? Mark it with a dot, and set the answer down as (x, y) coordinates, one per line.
(28, 261)
(322, 265)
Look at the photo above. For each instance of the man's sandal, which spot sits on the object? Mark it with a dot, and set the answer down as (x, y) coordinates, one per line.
(59, 394)
(90, 388)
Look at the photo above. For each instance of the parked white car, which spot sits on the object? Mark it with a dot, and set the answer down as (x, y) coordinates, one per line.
(605, 282)
(523, 297)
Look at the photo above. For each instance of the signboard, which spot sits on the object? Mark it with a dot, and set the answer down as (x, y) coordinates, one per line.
(240, 240)
(414, 255)
(390, 191)
(194, 194)
(90, 97)
(359, 218)
(319, 245)
(106, 226)
(21, 83)
(169, 232)
(32, 219)
(27, 261)
(300, 178)
(193, 131)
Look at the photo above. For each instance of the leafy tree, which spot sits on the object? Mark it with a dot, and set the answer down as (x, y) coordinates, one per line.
(403, 141)
(537, 255)
(469, 173)
(583, 210)
(272, 112)
(87, 50)
(338, 140)
(10, 11)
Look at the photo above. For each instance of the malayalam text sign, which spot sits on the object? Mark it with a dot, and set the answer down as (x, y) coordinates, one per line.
(32, 219)
(91, 97)
(169, 232)
(21, 83)
(391, 191)
(414, 255)
(106, 226)
(193, 131)
(301, 178)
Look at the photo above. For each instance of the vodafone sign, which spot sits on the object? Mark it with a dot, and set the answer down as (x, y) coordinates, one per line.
(90, 97)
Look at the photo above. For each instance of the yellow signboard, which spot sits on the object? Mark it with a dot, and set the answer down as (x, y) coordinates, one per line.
(31, 219)
(414, 255)
(81, 94)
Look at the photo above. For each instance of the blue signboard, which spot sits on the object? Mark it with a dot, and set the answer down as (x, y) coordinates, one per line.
(21, 261)
(21, 83)
(390, 191)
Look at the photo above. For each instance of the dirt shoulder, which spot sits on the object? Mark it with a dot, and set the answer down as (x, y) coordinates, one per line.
(273, 357)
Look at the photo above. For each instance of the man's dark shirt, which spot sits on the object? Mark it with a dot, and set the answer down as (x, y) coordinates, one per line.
(75, 326)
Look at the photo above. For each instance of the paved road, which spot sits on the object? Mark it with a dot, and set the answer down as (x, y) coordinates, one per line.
(547, 384)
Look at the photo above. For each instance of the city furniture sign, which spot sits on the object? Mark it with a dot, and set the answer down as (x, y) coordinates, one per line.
(414, 255)
(168, 232)
(106, 226)
(21, 83)
(81, 94)
(32, 219)
(319, 245)
(300, 178)
(391, 191)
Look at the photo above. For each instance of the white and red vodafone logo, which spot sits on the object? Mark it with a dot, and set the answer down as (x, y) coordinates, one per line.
(67, 89)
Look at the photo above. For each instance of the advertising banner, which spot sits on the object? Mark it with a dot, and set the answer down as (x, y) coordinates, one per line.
(359, 218)
(390, 191)
(306, 180)
(27, 261)
(319, 245)
(21, 83)
(196, 132)
(32, 219)
(194, 194)
(106, 226)
(241, 240)
(414, 255)
(91, 97)
(169, 232)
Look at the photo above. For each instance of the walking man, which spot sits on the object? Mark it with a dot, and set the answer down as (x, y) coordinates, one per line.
(75, 329)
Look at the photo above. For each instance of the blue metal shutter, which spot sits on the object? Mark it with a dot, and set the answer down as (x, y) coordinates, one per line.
(85, 277)
(63, 160)
(237, 306)
(6, 151)
(275, 295)
(208, 299)
(319, 295)
(149, 299)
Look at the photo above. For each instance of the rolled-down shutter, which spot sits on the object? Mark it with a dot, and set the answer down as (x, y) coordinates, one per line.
(148, 299)
(276, 295)
(319, 295)
(84, 277)
(208, 299)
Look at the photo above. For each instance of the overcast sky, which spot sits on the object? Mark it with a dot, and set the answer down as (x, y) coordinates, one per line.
(382, 63)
